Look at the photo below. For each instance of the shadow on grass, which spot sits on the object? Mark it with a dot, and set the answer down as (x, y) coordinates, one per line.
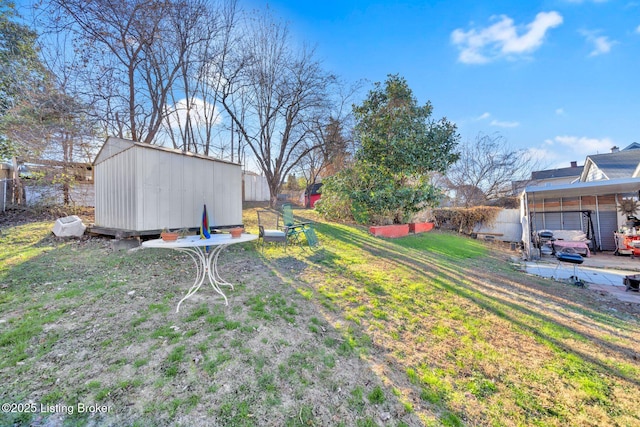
(470, 283)
(450, 268)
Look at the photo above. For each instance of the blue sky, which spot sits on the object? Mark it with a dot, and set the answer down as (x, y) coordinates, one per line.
(559, 77)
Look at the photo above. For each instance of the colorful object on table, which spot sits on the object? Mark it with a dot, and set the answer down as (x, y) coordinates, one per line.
(204, 227)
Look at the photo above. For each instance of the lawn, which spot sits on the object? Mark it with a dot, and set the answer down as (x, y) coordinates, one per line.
(434, 330)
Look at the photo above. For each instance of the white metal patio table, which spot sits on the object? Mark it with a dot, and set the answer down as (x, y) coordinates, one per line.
(205, 253)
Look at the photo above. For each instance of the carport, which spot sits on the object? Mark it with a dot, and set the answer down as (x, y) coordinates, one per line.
(591, 207)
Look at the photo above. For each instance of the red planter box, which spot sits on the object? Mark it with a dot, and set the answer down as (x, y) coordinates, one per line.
(391, 231)
(420, 227)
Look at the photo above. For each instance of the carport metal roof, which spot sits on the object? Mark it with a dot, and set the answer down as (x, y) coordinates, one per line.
(591, 188)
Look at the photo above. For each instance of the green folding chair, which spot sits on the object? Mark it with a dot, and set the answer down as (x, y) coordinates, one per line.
(294, 228)
(297, 228)
(312, 238)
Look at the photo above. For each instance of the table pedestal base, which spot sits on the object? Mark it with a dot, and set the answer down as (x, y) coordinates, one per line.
(206, 268)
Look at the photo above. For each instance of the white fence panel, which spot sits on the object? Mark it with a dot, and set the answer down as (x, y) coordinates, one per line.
(6, 190)
(256, 189)
(506, 228)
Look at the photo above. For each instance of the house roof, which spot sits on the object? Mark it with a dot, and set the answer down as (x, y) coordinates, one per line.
(315, 188)
(618, 165)
(557, 173)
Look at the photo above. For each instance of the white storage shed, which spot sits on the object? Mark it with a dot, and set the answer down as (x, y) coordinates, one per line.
(141, 189)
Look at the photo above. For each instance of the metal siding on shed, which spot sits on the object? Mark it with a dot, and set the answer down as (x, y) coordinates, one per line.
(148, 167)
(192, 198)
(115, 191)
(227, 183)
(552, 221)
(145, 188)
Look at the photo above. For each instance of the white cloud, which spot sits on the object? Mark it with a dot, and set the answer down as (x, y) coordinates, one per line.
(504, 124)
(601, 44)
(542, 156)
(638, 29)
(559, 111)
(561, 150)
(479, 46)
(483, 116)
(199, 113)
(582, 145)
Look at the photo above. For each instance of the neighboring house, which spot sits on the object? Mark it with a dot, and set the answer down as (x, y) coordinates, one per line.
(557, 176)
(615, 165)
(589, 203)
(549, 177)
(41, 183)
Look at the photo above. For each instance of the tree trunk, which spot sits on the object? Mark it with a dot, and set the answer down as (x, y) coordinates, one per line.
(274, 190)
(18, 191)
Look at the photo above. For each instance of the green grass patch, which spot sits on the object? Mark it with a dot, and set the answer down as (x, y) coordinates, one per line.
(199, 312)
(449, 325)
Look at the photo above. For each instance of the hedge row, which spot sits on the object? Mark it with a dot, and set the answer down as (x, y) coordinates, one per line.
(463, 220)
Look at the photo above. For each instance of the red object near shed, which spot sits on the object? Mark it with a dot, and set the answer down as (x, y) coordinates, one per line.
(312, 195)
(420, 227)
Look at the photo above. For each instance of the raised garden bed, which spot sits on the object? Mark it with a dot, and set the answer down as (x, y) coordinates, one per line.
(420, 227)
(390, 231)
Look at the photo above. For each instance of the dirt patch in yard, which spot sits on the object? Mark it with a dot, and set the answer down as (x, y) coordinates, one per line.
(106, 346)
(24, 215)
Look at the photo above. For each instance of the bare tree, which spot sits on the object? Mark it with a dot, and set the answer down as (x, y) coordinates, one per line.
(132, 52)
(52, 130)
(42, 118)
(486, 169)
(332, 135)
(273, 93)
(331, 154)
(194, 117)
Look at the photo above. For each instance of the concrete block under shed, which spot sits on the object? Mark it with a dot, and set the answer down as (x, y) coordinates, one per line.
(124, 244)
(69, 226)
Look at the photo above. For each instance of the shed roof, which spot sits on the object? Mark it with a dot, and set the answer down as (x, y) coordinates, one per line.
(114, 145)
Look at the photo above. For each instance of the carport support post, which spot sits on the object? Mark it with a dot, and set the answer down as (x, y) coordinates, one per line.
(598, 221)
(526, 225)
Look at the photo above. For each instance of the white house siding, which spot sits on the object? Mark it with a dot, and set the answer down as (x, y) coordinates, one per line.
(147, 188)
(594, 173)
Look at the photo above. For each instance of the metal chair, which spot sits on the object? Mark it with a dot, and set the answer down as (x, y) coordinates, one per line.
(270, 229)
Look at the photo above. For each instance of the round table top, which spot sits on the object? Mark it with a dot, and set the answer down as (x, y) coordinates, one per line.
(196, 241)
